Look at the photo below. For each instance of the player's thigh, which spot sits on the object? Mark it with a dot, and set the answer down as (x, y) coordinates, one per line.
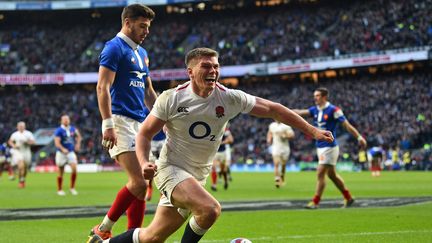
(130, 164)
(60, 159)
(190, 194)
(165, 222)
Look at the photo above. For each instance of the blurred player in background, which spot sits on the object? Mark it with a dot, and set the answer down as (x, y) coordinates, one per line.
(278, 136)
(376, 156)
(67, 140)
(124, 89)
(4, 159)
(156, 147)
(220, 160)
(195, 115)
(20, 142)
(327, 116)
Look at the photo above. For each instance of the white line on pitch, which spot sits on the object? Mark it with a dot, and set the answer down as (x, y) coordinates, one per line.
(327, 235)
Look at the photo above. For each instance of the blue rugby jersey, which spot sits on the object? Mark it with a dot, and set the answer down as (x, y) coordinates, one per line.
(67, 137)
(327, 119)
(130, 62)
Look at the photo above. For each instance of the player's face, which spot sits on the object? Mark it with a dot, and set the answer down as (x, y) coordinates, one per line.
(138, 29)
(319, 99)
(21, 126)
(65, 120)
(205, 73)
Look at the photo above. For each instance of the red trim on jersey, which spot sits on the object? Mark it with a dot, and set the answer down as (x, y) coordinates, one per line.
(220, 87)
(184, 87)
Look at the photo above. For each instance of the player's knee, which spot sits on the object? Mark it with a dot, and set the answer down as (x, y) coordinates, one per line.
(137, 187)
(212, 211)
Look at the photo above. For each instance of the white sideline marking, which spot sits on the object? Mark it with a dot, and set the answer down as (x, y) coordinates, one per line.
(326, 235)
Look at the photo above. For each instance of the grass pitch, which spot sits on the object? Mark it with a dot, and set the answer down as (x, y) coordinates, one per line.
(387, 224)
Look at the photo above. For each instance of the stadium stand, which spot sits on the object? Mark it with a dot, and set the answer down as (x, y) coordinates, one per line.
(391, 108)
(72, 42)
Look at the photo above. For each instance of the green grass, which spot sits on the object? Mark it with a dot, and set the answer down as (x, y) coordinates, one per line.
(393, 224)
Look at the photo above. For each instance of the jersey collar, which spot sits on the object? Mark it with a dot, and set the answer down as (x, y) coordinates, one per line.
(128, 40)
(325, 106)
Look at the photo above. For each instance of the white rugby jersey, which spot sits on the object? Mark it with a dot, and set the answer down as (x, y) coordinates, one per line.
(195, 125)
(280, 145)
(20, 139)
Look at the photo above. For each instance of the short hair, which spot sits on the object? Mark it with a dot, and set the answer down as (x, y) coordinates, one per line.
(323, 91)
(137, 10)
(199, 52)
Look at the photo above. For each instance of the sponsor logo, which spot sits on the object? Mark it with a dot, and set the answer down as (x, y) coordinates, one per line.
(183, 109)
(137, 84)
(139, 75)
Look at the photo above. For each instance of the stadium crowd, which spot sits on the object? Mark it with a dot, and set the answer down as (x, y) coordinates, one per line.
(34, 43)
(391, 110)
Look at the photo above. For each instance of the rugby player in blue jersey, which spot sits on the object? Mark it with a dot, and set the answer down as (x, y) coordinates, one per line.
(67, 140)
(124, 89)
(326, 116)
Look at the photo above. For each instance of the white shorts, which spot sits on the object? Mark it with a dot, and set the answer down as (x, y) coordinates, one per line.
(328, 155)
(282, 156)
(62, 159)
(167, 179)
(2, 159)
(126, 130)
(20, 156)
(221, 157)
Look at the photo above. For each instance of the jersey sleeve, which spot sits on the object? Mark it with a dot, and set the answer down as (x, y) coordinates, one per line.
(311, 110)
(161, 106)
(338, 114)
(244, 101)
(110, 56)
(57, 132)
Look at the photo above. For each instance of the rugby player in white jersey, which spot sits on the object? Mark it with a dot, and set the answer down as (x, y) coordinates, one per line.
(278, 136)
(20, 142)
(195, 115)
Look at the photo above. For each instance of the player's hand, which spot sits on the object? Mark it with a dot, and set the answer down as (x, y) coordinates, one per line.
(324, 135)
(362, 142)
(64, 150)
(149, 170)
(109, 139)
(77, 147)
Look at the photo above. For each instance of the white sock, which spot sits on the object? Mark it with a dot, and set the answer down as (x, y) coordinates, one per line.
(135, 236)
(106, 224)
(195, 227)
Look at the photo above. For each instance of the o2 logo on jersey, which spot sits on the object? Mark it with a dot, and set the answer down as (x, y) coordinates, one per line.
(201, 130)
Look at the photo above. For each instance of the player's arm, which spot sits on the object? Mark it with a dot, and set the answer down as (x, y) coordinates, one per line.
(148, 129)
(11, 143)
(229, 139)
(78, 139)
(351, 129)
(57, 143)
(269, 137)
(150, 94)
(269, 109)
(289, 134)
(302, 112)
(30, 138)
(105, 80)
